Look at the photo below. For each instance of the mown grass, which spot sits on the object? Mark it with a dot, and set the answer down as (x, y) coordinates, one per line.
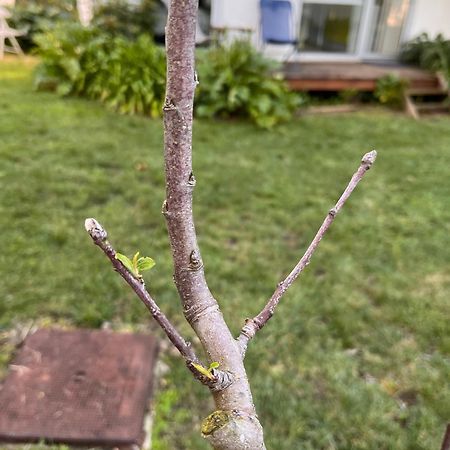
(358, 354)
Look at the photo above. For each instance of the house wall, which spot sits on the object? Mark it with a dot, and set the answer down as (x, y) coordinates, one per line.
(236, 15)
(429, 16)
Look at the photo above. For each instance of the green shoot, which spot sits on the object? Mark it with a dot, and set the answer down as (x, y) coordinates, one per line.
(207, 372)
(137, 264)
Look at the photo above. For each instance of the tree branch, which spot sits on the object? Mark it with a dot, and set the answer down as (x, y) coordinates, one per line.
(99, 235)
(252, 326)
(217, 379)
(446, 441)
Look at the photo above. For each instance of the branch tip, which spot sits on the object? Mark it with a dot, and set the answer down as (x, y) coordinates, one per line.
(95, 229)
(369, 158)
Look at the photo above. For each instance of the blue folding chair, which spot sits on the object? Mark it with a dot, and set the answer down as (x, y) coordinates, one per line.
(277, 23)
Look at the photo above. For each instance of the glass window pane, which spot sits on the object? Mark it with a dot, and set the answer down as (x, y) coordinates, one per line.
(389, 19)
(329, 28)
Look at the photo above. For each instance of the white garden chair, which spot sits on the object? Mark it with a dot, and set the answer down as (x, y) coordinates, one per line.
(8, 34)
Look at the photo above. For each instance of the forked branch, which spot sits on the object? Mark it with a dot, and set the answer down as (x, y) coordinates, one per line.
(252, 326)
(215, 379)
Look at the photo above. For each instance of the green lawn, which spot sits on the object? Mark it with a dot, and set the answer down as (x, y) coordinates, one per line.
(358, 354)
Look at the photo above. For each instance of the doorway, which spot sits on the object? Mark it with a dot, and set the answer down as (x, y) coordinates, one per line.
(385, 28)
(351, 29)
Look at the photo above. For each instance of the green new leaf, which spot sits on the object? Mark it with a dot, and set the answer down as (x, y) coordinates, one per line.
(145, 263)
(126, 262)
(135, 263)
(203, 371)
(213, 365)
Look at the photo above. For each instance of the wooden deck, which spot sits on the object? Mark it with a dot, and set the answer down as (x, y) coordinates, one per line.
(359, 76)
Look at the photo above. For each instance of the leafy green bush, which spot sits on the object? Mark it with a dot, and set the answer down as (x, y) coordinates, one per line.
(115, 17)
(431, 54)
(122, 18)
(128, 76)
(236, 80)
(63, 50)
(390, 90)
(36, 16)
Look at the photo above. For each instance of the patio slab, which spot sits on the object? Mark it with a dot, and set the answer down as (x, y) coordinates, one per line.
(79, 387)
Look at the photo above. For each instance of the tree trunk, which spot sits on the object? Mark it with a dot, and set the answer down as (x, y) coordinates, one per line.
(234, 425)
(85, 11)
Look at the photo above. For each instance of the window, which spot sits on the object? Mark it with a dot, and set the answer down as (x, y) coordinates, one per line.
(330, 26)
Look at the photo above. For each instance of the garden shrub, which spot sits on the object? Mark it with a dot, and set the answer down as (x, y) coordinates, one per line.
(431, 54)
(390, 90)
(123, 18)
(62, 51)
(237, 80)
(36, 16)
(115, 17)
(128, 76)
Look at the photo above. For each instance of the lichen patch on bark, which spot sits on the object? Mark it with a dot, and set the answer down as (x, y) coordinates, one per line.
(214, 421)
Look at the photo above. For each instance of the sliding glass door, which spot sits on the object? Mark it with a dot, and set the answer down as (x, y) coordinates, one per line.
(386, 24)
(352, 29)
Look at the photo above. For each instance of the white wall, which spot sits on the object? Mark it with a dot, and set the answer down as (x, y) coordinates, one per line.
(429, 16)
(237, 14)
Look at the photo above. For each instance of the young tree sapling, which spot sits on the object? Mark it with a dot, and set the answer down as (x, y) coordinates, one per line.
(234, 425)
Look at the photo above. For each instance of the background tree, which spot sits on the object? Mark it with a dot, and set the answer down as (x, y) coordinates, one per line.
(85, 10)
(234, 424)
